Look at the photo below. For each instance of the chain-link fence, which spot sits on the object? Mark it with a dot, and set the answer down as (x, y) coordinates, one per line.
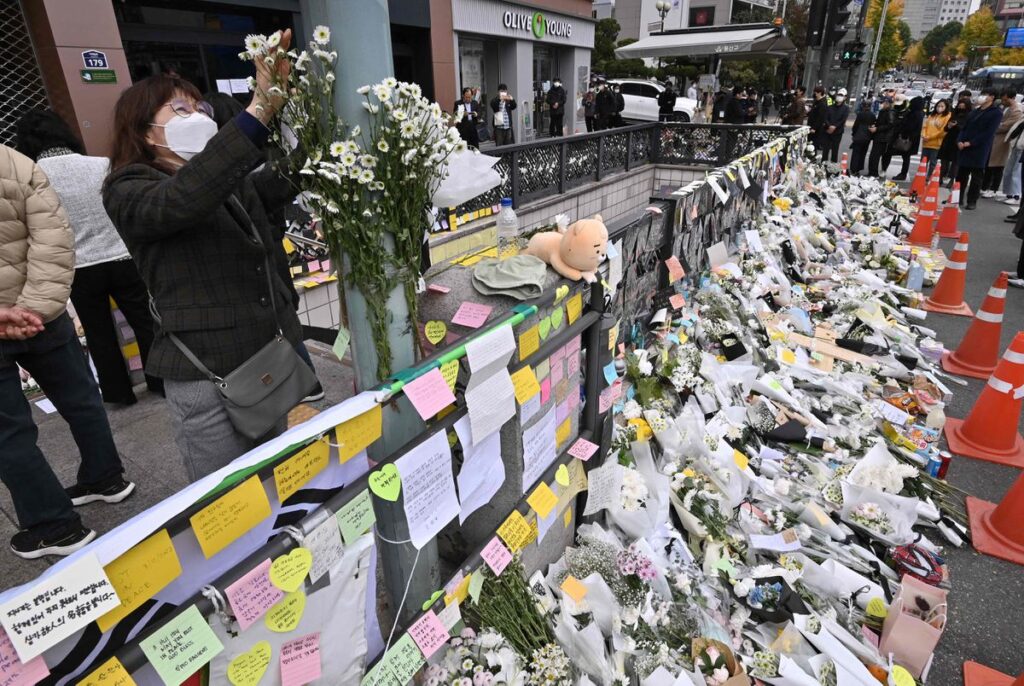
(21, 85)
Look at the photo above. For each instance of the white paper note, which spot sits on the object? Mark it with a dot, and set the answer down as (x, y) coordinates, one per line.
(718, 254)
(615, 264)
(46, 405)
(744, 181)
(784, 542)
(723, 195)
(529, 408)
(428, 489)
(491, 402)
(890, 412)
(450, 615)
(539, 449)
(324, 542)
(63, 603)
(491, 350)
(482, 473)
(754, 240)
(605, 485)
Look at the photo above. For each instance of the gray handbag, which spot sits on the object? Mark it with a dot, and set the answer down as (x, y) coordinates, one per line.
(263, 389)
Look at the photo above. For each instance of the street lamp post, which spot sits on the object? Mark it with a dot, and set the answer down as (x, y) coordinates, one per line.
(663, 7)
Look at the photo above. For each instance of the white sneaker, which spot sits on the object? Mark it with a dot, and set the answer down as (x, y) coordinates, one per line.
(999, 195)
(987, 194)
(1012, 200)
(1016, 283)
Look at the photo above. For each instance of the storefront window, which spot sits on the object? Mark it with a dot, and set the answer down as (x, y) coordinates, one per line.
(545, 68)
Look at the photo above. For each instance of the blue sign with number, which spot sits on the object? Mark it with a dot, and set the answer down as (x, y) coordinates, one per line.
(1014, 38)
(94, 59)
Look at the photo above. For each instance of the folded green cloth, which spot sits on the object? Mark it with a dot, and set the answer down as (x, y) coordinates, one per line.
(520, 276)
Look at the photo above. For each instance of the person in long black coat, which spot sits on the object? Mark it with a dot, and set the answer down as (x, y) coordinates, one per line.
(881, 134)
(835, 124)
(909, 128)
(949, 153)
(975, 144)
(861, 136)
(604, 107)
(470, 110)
(817, 119)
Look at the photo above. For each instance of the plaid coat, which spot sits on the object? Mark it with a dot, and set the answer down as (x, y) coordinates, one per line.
(196, 253)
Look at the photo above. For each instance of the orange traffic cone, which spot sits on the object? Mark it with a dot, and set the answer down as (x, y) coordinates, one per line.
(842, 164)
(948, 296)
(950, 216)
(990, 430)
(925, 221)
(976, 674)
(996, 529)
(918, 186)
(978, 351)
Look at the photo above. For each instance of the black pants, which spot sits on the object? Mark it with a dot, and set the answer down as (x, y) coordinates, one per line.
(56, 361)
(993, 179)
(858, 151)
(904, 166)
(970, 179)
(503, 136)
(601, 123)
(590, 123)
(831, 152)
(555, 127)
(91, 292)
(878, 154)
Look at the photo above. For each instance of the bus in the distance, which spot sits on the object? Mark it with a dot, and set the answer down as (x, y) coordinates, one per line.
(996, 76)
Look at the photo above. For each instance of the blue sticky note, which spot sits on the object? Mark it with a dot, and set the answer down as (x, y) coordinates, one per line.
(617, 409)
(630, 392)
(612, 253)
(673, 338)
(610, 375)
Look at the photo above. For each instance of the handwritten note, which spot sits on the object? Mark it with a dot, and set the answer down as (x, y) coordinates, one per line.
(341, 341)
(450, 616)
(525, 384)
(299, 469)
(677, 301)
(429, 633)
(246, 669)
(398, 666)
(357, 433)
(221, 522)
(490, 351)
(609, 397)
(483, 472)
(491, 402)
(288, 572)
(325, 546)
(542, 500)
(430, 499)
(516, 532)
(61, 604)
(300, 660)
(471, 315)
(438, 288)
(356, 517)
(583, 449)
(140, 574)
(538, 448)
(429, 394)
(287, 614)
(182, 646)
(675, 269)
(14, 672)
(605, 484)
(574, 308)
(529, 342)
(252, 595)
(496, 555)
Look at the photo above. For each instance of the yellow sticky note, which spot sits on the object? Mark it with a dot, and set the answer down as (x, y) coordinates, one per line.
(297, 471)
(562, 432)
(286, 615)
(289, 247)
(788, 356)
(450, 372)
(525, 384)
(248, 668)
(643, 429)
(289, 572)
(542, 500)
(567, 518)
(740, 459)
(574, 307)
(354, 435)
(901, 677)
(516, 532)
(574, 589)
(140, 574)
(221, 522)
(529, 342)
(110, 673)
(131, 350)
(613, 336)
(683, 338)
(295, 271)
(460, 593)
(876, 608)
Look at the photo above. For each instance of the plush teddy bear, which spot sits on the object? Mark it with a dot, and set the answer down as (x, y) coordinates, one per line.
(574, 252)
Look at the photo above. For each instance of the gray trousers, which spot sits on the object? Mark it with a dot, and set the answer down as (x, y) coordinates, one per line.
(203, 432)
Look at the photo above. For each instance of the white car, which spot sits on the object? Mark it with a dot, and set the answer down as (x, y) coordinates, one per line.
(641, 101)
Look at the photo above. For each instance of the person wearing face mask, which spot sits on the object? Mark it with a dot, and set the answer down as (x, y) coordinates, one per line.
(1012, 113)
(974, 144)
(881, 134)
(861, 136)
(907, 139)
(620, 105)
(933, 131)
(194, 217)
(502, 107)
(589, 108)
(796, 110)
(835, 124)
(817, 119)
(556, 108)
(604, 108)
(949, 153)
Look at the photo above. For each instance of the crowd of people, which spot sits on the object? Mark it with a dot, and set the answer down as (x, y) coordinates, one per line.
(180, 228)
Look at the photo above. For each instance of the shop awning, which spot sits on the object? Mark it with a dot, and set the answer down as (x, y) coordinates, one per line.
(745, 40)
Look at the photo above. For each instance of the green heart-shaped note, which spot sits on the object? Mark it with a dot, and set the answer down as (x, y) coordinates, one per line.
(545, 327)
(560, 293)
(562, 475)
(386, 483)
(431, 600)
(556, 317)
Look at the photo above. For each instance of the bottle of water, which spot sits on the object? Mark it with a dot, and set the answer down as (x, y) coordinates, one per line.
(508, 230)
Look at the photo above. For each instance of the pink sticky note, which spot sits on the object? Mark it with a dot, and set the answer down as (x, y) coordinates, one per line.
(438, 288)
(314, 266)
(325, 265)
(429, 634)
(675, 269)
(135, 363)
(252, 595)
(870, 635)
(472, 315)
(127, 333)
(496, 555)
(429, 394)
(13, 672)
(545, 390)
(300, 660)
(677, 301)
(556, 370)
(572, 363)
(609, 397)
(561, 412)
(583, 449)
(572, 347)
(573, 398)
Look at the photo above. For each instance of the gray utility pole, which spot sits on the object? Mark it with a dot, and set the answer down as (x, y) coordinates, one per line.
(879, 30)
(361, 33)
(852, 76)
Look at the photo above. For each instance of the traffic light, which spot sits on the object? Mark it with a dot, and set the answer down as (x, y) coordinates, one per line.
(846, 58)
(835, 23)
(857, 51)
(816, 22)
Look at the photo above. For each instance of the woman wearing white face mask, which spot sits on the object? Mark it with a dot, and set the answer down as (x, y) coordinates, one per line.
(194, 218)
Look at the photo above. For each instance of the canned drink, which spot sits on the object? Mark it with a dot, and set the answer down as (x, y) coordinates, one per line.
(934, 465)
(946, 457)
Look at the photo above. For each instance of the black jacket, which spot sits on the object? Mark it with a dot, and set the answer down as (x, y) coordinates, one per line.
(817, 117)
(864, 119)
(735, 111)
(195, 252)
(836, 116)
(666, 101)
(885, 123)
(605, 105)
(556, 96)
(467, 126)
(948, 150)
(911, 122)
(620, 102)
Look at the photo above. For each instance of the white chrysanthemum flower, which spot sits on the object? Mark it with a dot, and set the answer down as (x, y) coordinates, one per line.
(383, 146)
(323, 56)
(367, 213)
(329, 77)
(363, 90)
(244, 56)
(368, 161)
(251, 82)
(274, 39)
(322, 35)
(302, 63)
(408, 129)
(275, 90)
(332, 207)
(337, 149)
(390, 82)
(365, 176)
(348, 158)
(399, 114)
(382, 92)
(254, 44)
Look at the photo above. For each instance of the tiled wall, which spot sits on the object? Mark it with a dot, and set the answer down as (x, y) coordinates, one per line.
(614, 197)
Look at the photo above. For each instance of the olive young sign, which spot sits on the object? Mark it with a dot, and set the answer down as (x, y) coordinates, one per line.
(537, 24)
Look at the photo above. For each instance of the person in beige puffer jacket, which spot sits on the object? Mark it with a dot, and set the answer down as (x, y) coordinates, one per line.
(36, 270)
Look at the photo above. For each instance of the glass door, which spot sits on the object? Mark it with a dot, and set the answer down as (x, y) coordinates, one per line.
(545, 68)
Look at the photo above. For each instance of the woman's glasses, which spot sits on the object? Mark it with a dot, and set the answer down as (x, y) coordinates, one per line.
(183, 107)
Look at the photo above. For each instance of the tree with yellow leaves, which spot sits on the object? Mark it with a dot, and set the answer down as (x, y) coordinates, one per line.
(891, 49)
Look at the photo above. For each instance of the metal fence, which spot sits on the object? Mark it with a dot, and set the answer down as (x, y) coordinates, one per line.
(21, 86)
(535, 170)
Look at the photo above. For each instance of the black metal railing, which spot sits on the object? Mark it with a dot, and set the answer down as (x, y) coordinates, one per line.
(535, 170)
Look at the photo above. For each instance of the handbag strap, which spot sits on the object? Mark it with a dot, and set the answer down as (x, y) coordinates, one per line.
(180, 345)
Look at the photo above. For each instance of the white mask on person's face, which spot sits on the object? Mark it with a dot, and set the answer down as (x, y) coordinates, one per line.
(187, 136)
